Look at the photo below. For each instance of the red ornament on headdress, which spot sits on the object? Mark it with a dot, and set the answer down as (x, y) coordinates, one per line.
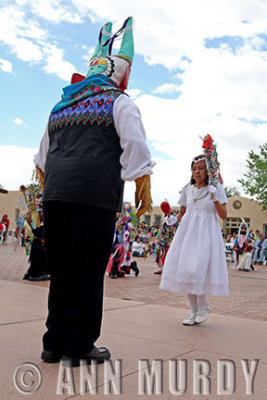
(207, 143)
(165, 207)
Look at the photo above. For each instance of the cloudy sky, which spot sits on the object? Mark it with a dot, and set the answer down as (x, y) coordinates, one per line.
(199, 67)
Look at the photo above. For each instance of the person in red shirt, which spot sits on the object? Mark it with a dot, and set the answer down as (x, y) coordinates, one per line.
(246, 256)
(2, 229)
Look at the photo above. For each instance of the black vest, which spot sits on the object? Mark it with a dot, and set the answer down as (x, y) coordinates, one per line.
(83, 160)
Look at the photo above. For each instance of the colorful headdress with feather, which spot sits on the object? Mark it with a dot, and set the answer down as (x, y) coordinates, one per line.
(32, 195)
(106, 72)
(210, 156)
(243, 233)
(116, 67)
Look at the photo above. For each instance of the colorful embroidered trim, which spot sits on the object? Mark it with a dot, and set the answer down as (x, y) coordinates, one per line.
(94, 109)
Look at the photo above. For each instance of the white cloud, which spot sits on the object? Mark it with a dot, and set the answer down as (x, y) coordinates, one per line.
(19, 121)
(51, 10)
(15, 24)
(20, 34)
(56, 64)
(89, 52)
(133, 93)
(5, 65)
(30, 42)
(26, 50)
(20, 166)
(167, 88)
(55, 11)
(164, 34)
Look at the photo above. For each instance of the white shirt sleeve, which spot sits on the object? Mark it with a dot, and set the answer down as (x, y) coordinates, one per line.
(40, 157)
(136, 158)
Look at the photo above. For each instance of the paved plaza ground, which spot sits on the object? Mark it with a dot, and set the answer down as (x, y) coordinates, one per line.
(141, 322)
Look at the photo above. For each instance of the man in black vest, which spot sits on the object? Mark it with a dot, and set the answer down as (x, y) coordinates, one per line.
(94, 141)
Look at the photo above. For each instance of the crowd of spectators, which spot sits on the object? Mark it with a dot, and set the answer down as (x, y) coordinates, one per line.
(144, 239)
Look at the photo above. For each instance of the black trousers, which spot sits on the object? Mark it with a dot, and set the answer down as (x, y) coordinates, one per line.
(78, 240)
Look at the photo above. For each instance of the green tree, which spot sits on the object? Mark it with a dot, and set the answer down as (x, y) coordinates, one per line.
(254, 182)
(135, 219)
(231, 191)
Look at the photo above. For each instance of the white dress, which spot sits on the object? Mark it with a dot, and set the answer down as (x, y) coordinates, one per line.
(195, 262)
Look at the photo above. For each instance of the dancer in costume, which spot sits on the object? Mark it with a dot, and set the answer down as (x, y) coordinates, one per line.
(243, 249)
(238, 242)
(166, 235)
(34, 234)
(2, 229)
(125, 264)
(195, 263)
(6, 222)
(246, 257)
(38, 270)
(95, 140)
(117, 254)
(120, 263)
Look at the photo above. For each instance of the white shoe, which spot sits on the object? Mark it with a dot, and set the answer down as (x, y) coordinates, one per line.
(201, 317)
(190, 320)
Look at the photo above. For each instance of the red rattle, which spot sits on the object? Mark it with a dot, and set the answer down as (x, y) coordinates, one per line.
(165, 207)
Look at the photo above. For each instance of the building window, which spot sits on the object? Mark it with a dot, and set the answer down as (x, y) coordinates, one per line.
(16, 214)
(147, 219)
(237, 204)
(232, 224)
(157, 220)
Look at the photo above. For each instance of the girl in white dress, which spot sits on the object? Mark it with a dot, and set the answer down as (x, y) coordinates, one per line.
(195, 263)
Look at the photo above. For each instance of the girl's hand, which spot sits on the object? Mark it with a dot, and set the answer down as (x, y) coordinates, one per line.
(213, 192)
(181, 213)
(179, 217)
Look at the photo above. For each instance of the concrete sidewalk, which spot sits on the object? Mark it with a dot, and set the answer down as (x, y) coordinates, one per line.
(134, 331)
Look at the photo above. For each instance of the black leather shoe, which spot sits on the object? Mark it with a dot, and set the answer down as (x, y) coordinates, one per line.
(98, 354)
(39, 278)
(114, 276)
(126, 269)
(135, 268)
(50, 356)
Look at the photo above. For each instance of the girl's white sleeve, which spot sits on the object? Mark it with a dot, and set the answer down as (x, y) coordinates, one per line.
(182, 199)
(220, 194)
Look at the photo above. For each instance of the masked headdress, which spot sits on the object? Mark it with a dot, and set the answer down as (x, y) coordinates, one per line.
(106, 72)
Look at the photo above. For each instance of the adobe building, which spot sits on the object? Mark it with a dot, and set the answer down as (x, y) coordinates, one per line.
(238, 208)
(11, 203)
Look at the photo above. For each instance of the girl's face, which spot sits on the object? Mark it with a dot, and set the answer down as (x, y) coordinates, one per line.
(199, 172)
